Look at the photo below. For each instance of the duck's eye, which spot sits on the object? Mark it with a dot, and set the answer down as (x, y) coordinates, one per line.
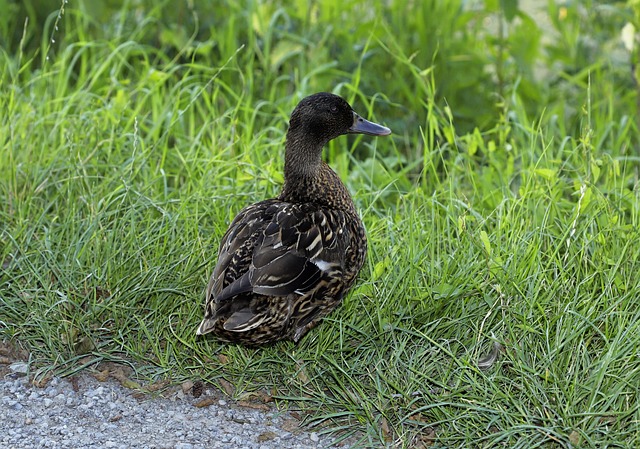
(334, 109)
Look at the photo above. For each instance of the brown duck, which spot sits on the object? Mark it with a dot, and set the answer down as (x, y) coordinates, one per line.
(285, 263)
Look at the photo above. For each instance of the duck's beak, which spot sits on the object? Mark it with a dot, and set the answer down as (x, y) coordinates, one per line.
(362, 126)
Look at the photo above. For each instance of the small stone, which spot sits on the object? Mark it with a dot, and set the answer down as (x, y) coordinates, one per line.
(19, 367)
(187, 386)
(314, 437)
(222, 402)
(48, 402)
(266, 436)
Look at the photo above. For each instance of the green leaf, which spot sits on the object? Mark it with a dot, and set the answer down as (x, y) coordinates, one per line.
(509, 9)
(484, 237)
(547, 173)
(586, 199)
(491, 5)
(380, 268)
(595, 168)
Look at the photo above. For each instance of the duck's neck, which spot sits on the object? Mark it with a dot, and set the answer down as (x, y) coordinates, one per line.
(307, 179)
(302, 158)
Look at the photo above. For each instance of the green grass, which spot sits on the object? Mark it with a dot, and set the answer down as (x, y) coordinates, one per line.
(129, 144)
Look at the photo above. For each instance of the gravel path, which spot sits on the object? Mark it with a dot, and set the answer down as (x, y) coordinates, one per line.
(86, 413)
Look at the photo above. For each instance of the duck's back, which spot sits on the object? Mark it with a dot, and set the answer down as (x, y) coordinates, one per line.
(281, 267)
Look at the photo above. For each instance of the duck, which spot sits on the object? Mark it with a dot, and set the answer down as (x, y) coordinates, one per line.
(287, 262)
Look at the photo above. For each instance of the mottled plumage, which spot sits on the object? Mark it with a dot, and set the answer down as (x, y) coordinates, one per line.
(285, 263)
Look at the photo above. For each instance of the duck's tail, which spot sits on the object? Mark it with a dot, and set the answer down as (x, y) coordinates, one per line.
(206, 326)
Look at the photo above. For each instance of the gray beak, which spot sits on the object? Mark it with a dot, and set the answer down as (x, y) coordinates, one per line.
(362, 126)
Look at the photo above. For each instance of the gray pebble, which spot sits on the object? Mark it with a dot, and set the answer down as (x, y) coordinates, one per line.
(19, 367)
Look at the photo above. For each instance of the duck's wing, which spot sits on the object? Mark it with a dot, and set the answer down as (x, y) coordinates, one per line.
(283, 250)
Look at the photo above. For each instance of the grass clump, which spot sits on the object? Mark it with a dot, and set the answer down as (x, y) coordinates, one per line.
(504, 209)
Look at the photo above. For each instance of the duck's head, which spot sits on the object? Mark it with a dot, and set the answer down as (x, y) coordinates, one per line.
(325, 116)
(316, 120)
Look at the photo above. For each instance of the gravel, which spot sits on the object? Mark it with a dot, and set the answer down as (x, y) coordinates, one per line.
(86, 413)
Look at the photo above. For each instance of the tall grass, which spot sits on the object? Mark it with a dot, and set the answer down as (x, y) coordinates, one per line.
(130, 143)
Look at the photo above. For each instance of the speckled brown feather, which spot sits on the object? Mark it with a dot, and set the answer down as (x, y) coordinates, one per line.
(285, 263)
